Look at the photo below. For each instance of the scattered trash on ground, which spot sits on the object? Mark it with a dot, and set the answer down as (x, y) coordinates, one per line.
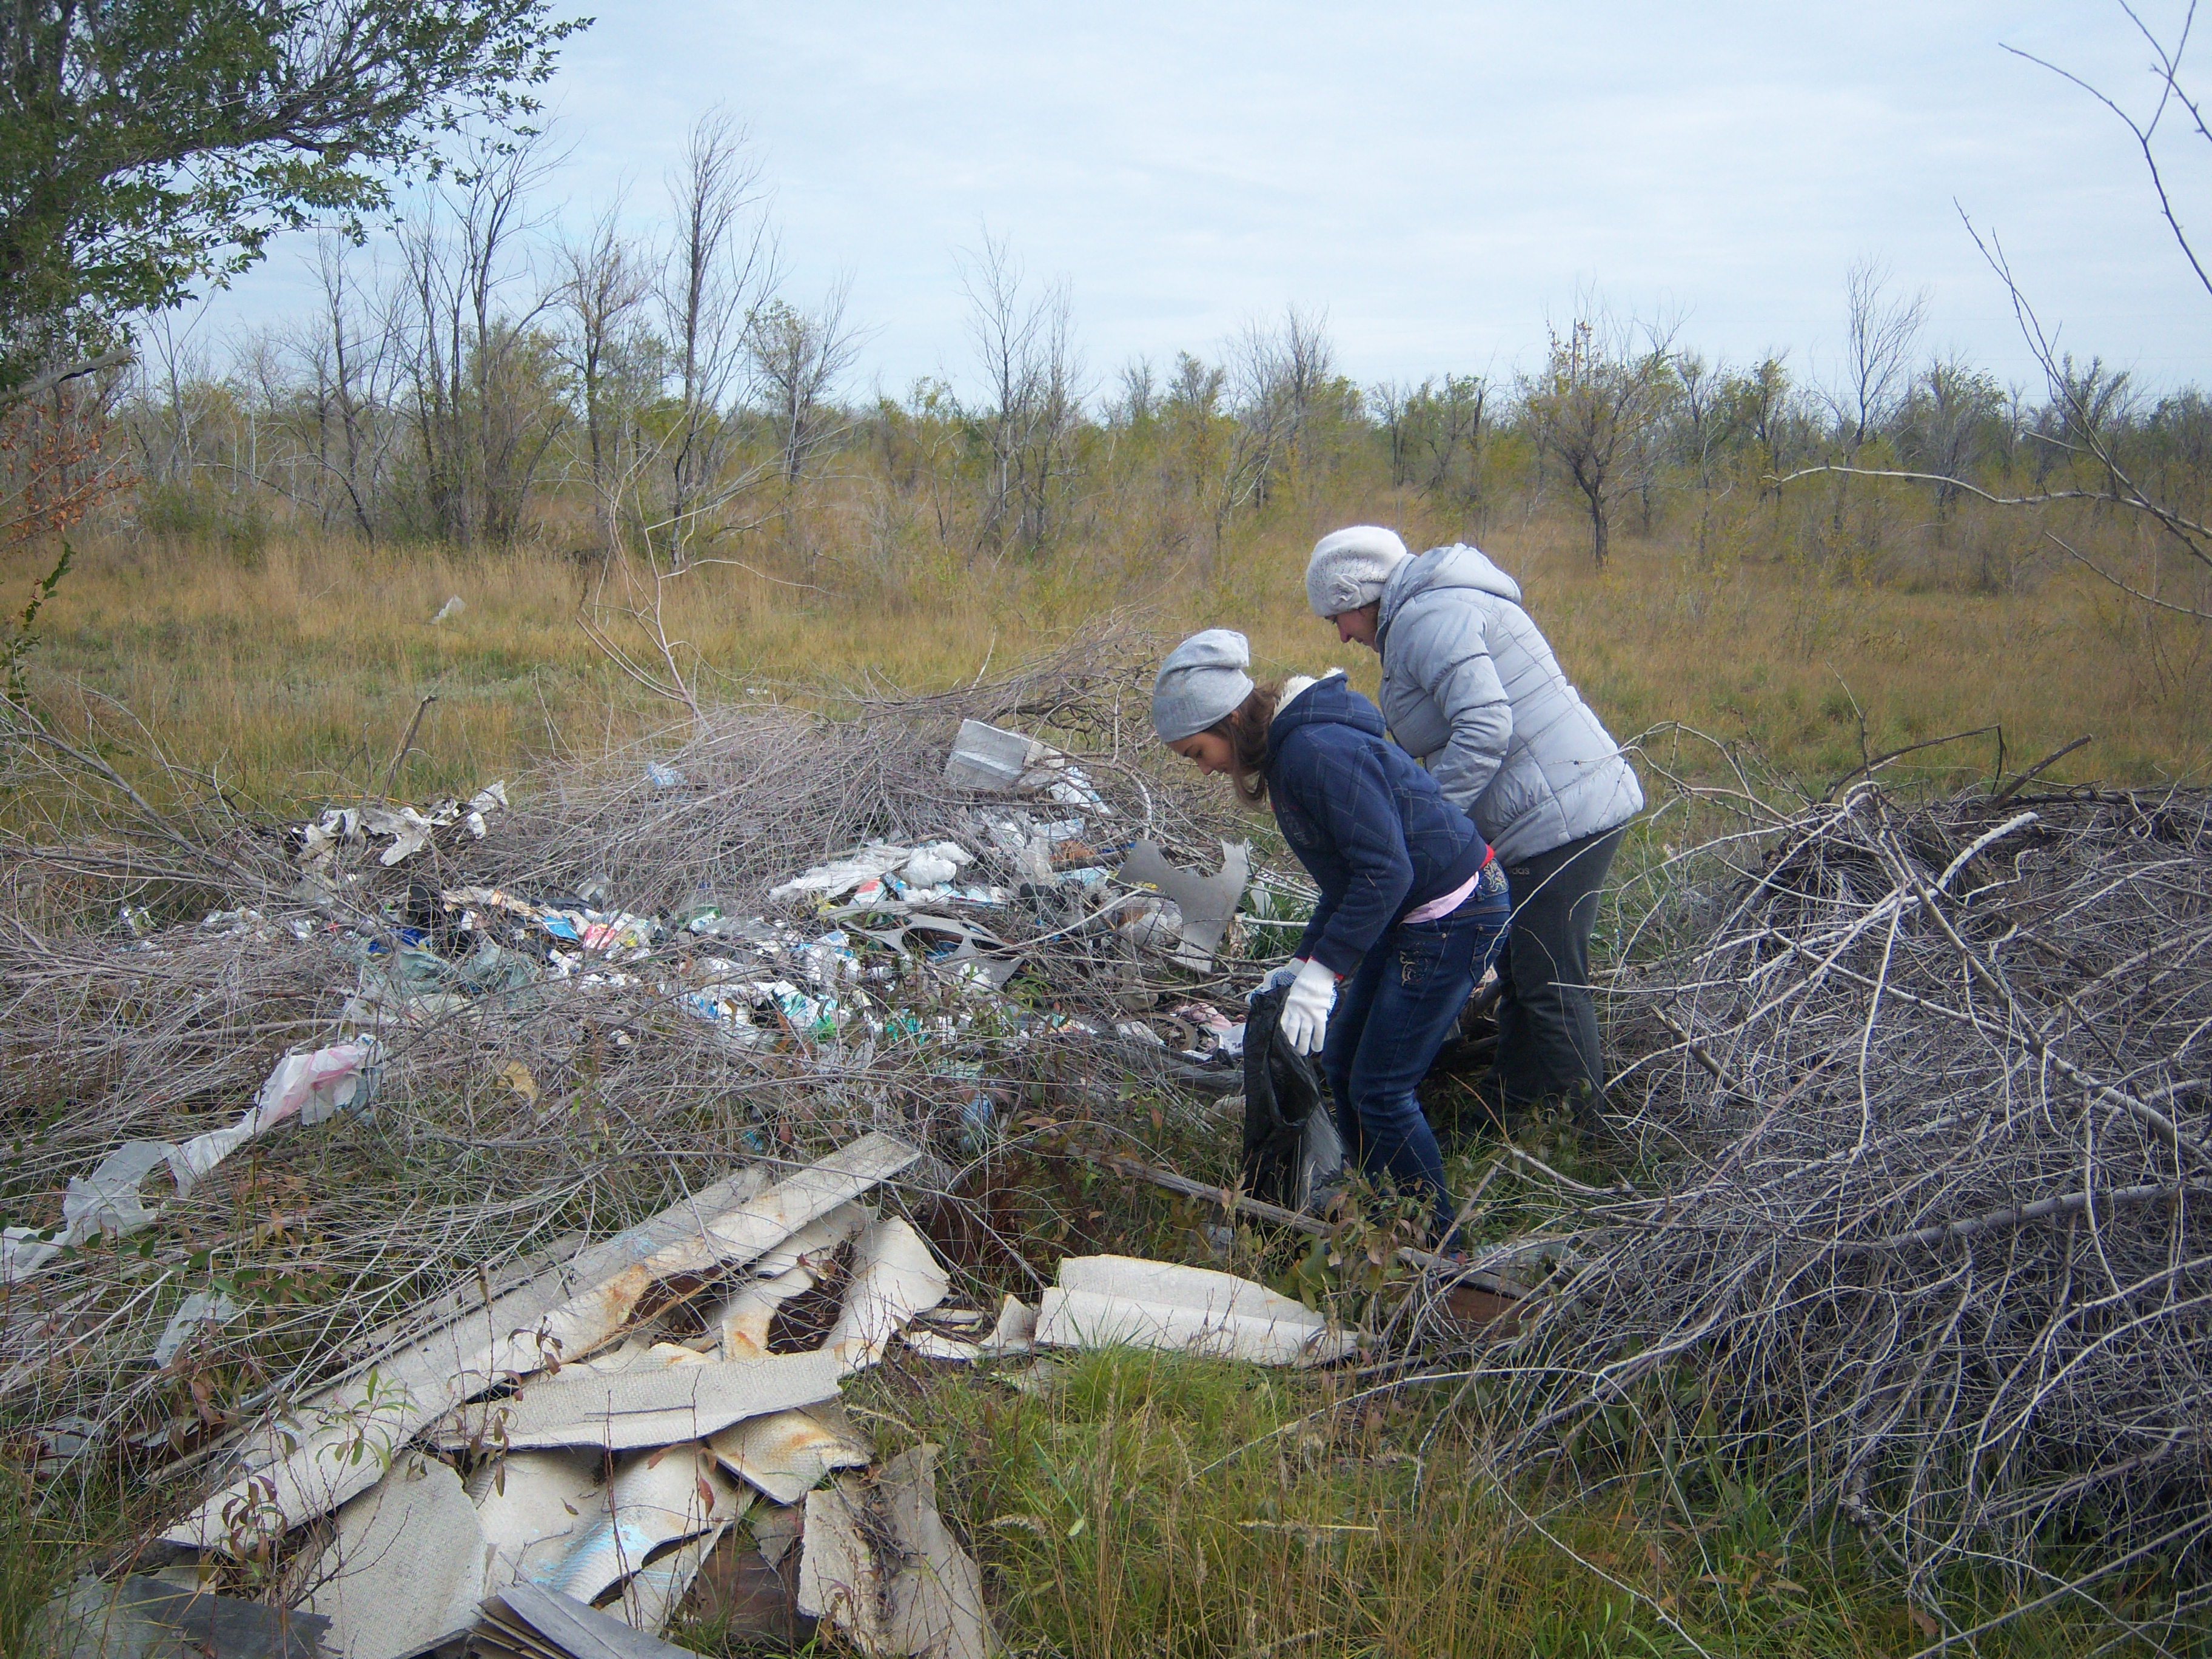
(597, 1436)
(107, 1203)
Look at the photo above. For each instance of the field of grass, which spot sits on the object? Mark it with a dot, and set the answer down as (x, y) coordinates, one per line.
(1129, 1504)
(293, 673)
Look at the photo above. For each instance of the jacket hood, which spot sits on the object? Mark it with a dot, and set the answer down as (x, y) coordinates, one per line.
(1456, 565)
(1330, 701)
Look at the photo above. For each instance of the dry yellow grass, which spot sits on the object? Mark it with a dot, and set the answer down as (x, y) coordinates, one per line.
(291, 675)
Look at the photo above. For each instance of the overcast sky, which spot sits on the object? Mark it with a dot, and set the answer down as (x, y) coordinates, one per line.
(1441, 180)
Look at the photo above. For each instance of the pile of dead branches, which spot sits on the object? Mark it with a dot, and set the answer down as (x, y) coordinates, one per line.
(1924, 1204)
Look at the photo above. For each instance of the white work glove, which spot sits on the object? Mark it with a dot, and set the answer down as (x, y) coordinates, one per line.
(1277, 978)
(1304, 1021)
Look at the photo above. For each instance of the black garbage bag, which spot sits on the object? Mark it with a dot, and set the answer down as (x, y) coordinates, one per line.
(1290, 1137)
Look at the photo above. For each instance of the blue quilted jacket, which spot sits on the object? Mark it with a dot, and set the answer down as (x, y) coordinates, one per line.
(1372, 828)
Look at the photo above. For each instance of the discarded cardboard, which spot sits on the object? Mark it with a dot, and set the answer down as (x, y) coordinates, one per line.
(406, 1569)
(1206, 903)
(366, 1420)
(1106, 1301)
(920, 1594)
(786, 1454)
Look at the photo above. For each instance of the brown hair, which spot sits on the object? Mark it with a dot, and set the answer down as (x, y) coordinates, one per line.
(1245, 726)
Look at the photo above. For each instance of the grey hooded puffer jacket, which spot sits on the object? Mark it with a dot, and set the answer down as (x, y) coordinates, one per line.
(1472, 689)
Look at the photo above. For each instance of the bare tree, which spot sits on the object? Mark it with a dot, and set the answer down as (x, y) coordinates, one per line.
(614, 361)
(1700, 406)
(1604, 388)
(349, 358)
(797, 358)
(1025, 347)
(1277, 374)
(1138, 404)
(721, 267)
(1448, 425)
(1881, 333)
(480, 402)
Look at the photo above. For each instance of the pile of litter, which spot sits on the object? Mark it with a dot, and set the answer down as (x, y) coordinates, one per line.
(311, 1129)
(528, 1472)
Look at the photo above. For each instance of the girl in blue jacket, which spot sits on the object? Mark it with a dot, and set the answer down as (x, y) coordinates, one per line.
(1412, 905)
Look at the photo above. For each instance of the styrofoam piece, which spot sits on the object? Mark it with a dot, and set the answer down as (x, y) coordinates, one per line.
(1015, 1333)
(366, 1420)
(1111, 1301)
(645, 1405)
(656, 1498)
(406, 1571)
(922, 1595)
(895, 1276)
(785, 1455)
(987, 758)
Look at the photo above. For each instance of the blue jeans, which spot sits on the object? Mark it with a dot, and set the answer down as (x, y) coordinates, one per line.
(1390, 1020)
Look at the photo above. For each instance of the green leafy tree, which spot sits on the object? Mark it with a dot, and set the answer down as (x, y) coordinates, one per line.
(147, 144)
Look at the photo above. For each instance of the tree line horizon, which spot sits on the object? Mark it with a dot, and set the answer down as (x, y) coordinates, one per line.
(496, 381)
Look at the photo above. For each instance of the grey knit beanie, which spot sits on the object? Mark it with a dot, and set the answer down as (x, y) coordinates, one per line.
(1202, 681)
(1349, 567)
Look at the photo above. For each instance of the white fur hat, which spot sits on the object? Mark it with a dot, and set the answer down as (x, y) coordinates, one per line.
(1349, 567)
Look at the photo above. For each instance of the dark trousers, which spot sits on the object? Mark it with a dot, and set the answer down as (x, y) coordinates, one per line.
(1390, 1019)
(1547, 1041)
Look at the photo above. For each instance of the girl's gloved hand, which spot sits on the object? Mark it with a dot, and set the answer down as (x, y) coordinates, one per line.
(1304, 1022)
(1277, 978)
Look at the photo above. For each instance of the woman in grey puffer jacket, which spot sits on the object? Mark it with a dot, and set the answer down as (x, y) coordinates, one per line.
(1471, 687)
